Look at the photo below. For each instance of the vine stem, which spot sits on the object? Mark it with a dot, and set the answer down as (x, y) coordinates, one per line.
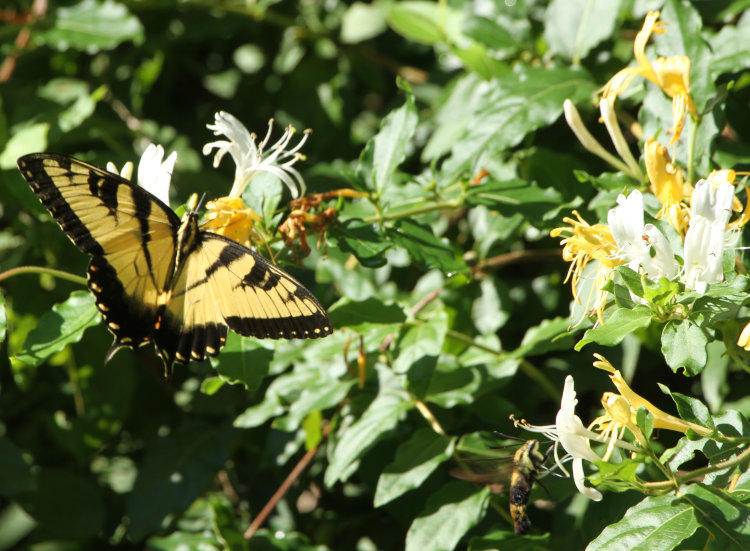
(414, 211)
(40, 270)
(284, 487)
(687, 477)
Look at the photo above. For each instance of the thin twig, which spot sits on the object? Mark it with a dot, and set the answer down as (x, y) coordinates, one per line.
(284, 487)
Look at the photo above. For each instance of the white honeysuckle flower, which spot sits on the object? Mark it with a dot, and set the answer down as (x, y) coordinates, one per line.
(626, 224)
(662, 262)
(574, 437)
(704, 248)
(154, 172)
(569, 432)
(639, 244)
(714, 204)
(251, 158)
(711, 207)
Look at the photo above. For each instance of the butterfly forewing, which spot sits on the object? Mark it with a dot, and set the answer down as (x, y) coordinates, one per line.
(131, 235)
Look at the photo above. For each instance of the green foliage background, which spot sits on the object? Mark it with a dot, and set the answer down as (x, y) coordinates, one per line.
(445, 281)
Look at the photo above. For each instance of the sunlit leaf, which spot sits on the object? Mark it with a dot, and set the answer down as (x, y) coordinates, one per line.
(448, 515)
(65, 324)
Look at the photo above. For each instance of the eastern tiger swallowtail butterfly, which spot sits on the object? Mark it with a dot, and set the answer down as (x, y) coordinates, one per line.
(160, 279)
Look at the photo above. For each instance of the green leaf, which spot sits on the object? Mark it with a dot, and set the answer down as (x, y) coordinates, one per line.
(617, 326)
(415, 460)
(684, 345)
(177, 469)
(655, 524)
(65, 324)
(243, 361)
(357, 313)
(15, 472)
(573, 28)
(362, 240)
(730, 51)
(361, 22)
(519, 103)
(691, 409)
(551, 334)
(508, 541)
(90, 26)
(491, 34)
(514, 197)
(52, 507)
(354, 441)
(450, 512)
(392, 142)
(724, 516)
(424, 22)
(427, 251)
(316, 396)
(260, 413)
(26, 140)
(423, 339)
(3, 318)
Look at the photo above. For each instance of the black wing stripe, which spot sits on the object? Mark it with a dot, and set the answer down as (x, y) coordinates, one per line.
(41, 182)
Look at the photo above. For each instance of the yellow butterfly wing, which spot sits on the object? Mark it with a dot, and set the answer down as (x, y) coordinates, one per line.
(130, 234)
(222, 283)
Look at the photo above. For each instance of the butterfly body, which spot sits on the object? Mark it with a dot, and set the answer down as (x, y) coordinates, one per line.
(156, 278)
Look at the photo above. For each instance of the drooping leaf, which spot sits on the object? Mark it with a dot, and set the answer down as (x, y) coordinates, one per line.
(362, 240)
(449, 514)
(684, 346)
(428, 251)
(380, 418)
(620, 324)
(65, 324)
(350, 313)
(416, 458)
(392, 142)
(725, 517)
(655, 524)
(51, 505)
(92, 25)
(243, 361)
(177, 469)
(15, 472)
(574, 28)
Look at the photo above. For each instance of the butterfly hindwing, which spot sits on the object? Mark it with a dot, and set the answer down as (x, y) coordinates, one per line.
(222, 283)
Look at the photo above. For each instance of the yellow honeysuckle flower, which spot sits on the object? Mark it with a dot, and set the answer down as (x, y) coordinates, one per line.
(671, 74)
(228, 216)
(582, 243)
(667, 185)
(617, 418)
(662, 420)
(744, 340)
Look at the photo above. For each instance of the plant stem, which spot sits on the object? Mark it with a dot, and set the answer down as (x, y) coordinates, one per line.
(667, 485)
(414, 211)
(40, 270)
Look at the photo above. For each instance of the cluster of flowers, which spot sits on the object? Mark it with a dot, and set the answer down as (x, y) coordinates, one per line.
(228, 216)
(700, 215)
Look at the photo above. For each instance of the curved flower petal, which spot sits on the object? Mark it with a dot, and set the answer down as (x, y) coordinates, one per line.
(251, 157)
